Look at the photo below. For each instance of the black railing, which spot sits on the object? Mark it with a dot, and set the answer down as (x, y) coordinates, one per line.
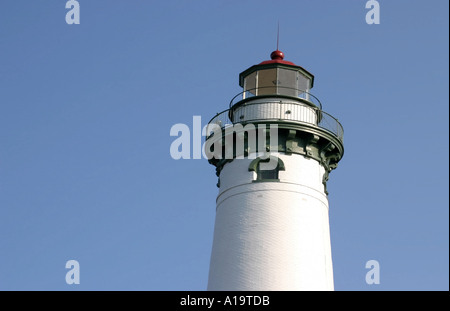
(320, 120)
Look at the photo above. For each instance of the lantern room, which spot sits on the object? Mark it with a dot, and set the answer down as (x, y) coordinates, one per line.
(276, 77)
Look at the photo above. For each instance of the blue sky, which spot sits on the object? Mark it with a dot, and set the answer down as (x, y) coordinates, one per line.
(86, 110)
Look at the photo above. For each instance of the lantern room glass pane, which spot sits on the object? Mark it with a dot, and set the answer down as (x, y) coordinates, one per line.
(250, 84)
(267, 81)
(303, 82)
(287, 82)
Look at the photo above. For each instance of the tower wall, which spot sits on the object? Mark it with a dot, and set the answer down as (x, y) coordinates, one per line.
(272, 235)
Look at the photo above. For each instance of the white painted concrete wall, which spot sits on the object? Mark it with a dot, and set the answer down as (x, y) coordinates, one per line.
(272, 235)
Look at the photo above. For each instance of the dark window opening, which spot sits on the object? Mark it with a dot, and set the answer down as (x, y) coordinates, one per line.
(263, 174)
(267, 174)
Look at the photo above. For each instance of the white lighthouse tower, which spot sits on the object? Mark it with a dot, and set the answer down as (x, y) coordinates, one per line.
(272, 222)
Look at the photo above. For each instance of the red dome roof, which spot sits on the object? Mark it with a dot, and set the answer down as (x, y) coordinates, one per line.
(277, 58)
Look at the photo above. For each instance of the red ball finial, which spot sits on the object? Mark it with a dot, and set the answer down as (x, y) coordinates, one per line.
(277, 55)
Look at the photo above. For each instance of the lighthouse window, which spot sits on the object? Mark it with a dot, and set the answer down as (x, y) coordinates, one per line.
(250, 85)
(267, 81)
(264, 171)
(287, 82)
(267, 174)
(304, 84)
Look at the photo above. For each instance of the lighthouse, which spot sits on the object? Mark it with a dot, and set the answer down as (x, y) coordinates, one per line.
(273, 150)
